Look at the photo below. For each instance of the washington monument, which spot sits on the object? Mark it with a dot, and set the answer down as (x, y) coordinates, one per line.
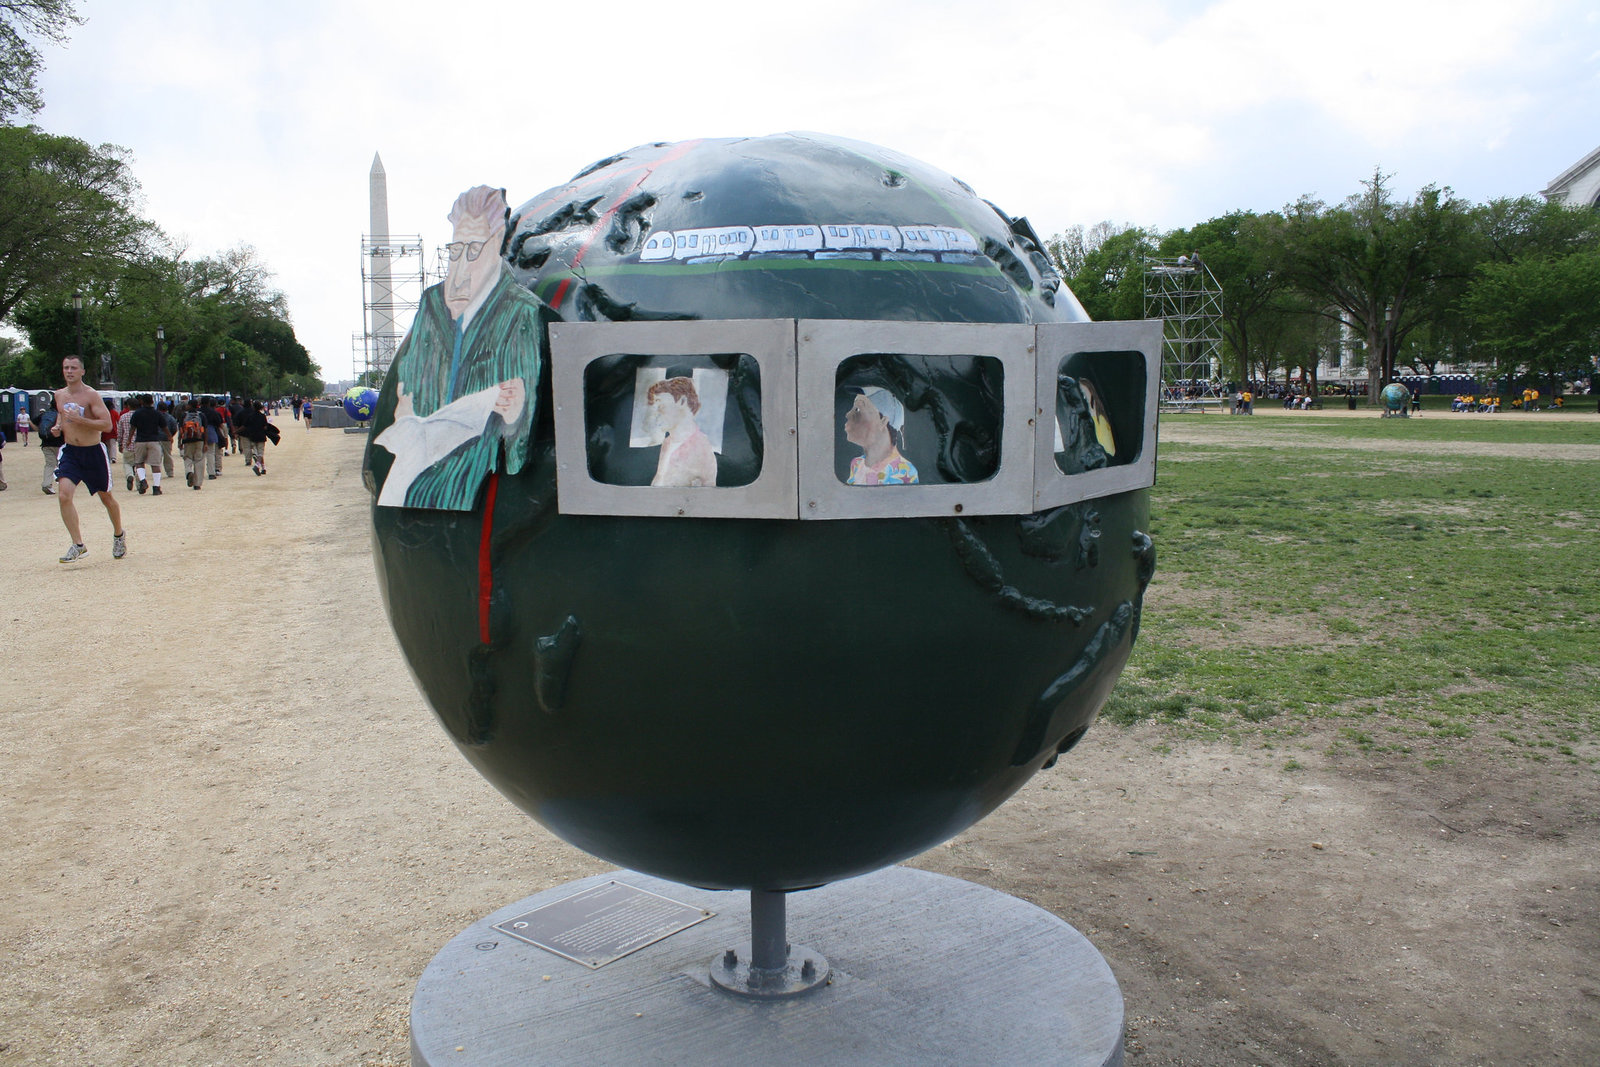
(382, 338)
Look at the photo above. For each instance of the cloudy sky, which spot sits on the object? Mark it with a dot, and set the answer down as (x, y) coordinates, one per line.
(257, 122)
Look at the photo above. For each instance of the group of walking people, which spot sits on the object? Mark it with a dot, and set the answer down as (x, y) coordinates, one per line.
(80, 435)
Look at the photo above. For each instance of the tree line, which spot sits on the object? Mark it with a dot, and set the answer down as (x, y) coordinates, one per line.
(81, 269)
(1510, 288)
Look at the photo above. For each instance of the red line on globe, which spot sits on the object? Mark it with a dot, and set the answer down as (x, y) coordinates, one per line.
(600, 224)
(561, 291)
(485, 565)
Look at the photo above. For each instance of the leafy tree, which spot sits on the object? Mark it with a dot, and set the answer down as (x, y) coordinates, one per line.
(1235, 248)
(1298, 338)
(1377, 265)
(1068, 250)
(204, 306)
(21, 20)
(19, 365)
(1539, 315)
(236, 279)
(30, 369)
(1512, 228)
(54, 331)
(66, 211)
(274, 339)
(133, 301)
(1104, 268)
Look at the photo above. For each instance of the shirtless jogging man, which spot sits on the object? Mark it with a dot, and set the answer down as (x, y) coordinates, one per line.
(83, 461)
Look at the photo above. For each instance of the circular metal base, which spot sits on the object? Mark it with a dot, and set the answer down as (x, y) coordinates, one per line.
(925, 970)
(734, 972)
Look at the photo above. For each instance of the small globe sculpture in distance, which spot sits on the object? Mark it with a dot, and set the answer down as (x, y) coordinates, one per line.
(1394, 398)
(360, 402)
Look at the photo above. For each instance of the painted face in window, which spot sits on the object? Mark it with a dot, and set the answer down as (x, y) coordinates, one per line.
(865, 425)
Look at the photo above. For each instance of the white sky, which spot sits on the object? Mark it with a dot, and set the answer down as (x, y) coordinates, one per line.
(257, 122)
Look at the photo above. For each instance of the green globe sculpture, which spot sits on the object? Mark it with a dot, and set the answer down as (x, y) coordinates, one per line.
(758, 703)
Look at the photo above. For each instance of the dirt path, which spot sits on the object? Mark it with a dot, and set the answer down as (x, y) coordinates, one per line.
(1227, 431)
(232, 832)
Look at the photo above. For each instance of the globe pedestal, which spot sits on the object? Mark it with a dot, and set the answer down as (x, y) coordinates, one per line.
(922, 969)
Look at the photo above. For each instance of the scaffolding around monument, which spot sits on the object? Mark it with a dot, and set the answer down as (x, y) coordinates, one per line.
(393, 274)
(1183, 292)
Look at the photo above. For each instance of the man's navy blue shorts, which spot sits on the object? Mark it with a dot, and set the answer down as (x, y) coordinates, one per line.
(88, 465)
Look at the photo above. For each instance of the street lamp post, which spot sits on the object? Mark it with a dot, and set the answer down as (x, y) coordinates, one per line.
(77, 321)
(224, 357)
(161, 361)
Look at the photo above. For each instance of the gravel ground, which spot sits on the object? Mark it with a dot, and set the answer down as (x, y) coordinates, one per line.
(233, 833)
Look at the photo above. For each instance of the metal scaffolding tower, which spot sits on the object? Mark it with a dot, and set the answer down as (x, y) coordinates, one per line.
(392, 279)
(1183, 292)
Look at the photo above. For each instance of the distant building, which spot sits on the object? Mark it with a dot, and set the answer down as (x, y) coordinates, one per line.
(1579, 184)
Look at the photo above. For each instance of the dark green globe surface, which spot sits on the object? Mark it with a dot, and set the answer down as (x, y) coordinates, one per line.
(759, 703)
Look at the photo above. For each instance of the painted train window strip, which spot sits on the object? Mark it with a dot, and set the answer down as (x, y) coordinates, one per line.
(820, 419)
(870, 239)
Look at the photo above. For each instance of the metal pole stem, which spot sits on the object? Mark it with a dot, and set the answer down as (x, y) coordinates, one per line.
(769, 939)
(770, 967)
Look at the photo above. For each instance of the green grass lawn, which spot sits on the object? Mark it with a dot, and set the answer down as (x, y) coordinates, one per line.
(1416, 585)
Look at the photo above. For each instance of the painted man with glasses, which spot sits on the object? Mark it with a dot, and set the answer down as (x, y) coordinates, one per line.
(466, 372)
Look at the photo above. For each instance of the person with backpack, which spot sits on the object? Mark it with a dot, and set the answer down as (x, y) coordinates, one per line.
(125, 440)
(216, 435)
(192, 443)
(252, 426)
(147, 425)
(109, 438)
(50, 442)
(169, 430)
(234, 412)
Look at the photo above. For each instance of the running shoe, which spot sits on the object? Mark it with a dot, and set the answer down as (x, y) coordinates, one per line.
(155, 490)
(75, 553)
(119, 545)
(143, 485)
(130, 483)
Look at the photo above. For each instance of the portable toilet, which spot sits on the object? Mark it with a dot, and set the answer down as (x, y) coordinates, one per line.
(12, 401)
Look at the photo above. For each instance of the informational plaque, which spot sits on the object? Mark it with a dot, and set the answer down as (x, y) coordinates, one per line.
(603, 924)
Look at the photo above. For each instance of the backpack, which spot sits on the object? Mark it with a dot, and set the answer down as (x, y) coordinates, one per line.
(193, 427)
